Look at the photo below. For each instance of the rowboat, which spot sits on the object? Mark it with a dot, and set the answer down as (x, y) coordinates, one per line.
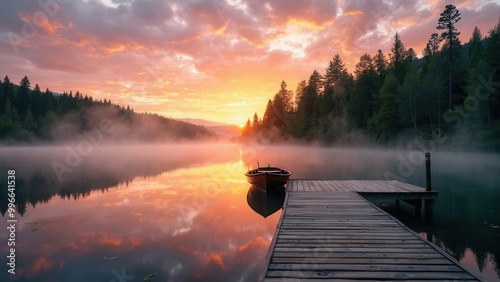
(267, 178)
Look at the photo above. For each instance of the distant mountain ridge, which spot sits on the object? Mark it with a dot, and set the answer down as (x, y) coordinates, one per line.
(219, 128)
(204, 122)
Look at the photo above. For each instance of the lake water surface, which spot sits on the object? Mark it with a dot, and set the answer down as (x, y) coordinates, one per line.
(182, 212)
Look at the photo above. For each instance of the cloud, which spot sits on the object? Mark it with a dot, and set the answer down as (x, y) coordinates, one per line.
(151, 12)
(196, 48)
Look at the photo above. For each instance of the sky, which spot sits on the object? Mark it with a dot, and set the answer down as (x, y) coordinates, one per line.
(218, 60)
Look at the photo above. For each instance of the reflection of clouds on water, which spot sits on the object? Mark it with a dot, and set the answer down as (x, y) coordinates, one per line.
(172, 224)
(107, 167)
(182, 211)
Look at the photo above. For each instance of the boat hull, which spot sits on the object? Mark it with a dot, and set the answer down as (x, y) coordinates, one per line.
(267, 179)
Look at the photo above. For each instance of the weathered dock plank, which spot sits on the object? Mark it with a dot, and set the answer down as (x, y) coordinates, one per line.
(329, 231)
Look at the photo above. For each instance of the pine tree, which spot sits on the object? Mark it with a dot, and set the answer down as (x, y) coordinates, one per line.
(246, 129)
(336, 69)
(268, 115)
(256, 123)
(3, 99)
(8, 110)
(286, 98)
(435, 94)
(385, 122)
(360, 105)
(493, 45)
(398, 58)
(278, 105)
(29, 122)
(308, 106)
(434, 42)
(380, 64)
(476, 48)
(6, 92)
(364, 65)
(36, 102)
(431, 48)
(448, 18)
(493, 58)
(22, 98)
(25, 83)
(411, 105)
(15, 114)
(49, 102)
(298, 93)
(315, 81)
(411, 56)
(326, 102)
(8, 89)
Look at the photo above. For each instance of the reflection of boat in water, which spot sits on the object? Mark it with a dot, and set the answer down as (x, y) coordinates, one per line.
(264, 203)
(267, 178)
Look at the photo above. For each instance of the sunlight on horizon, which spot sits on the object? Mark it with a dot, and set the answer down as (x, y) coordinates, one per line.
(214, 60)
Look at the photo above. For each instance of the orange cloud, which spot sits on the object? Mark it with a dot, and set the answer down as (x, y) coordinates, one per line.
(353, 13)
(115, 48)
(406, 21)
(179, 60)
(40, 264)
(310, 24)
(108, 240)
(221, 30)
(214, 258)
(40, 20)
(256, 243)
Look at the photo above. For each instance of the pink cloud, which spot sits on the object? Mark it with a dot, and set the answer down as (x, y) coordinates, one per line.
(199, 48)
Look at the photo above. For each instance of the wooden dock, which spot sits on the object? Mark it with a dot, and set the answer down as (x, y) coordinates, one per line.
(329, 231)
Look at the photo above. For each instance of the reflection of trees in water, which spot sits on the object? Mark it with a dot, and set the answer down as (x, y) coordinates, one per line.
(497, 266)
(36, 182)
(484, 247)
(41, 188)
(467, 214)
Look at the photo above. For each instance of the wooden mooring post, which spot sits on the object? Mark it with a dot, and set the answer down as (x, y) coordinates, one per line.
(329, 230)
(429, 204)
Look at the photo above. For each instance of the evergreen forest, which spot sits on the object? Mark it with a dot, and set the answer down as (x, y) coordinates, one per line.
(449, 95)
(30, 115)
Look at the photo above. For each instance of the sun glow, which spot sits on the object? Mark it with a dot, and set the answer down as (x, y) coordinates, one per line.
(295, 39)
(222, 60)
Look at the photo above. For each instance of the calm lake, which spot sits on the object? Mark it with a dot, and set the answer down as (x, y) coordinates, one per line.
(186, 213)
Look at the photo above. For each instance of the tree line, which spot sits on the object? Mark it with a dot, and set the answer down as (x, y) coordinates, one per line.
(28, 115)
(450, 95)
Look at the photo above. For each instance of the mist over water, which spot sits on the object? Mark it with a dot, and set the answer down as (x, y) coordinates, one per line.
(127, 161)
(194, 188)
